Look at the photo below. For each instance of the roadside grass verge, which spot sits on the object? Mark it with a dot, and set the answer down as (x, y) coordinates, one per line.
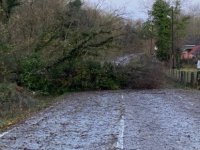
(188, 69)
(174, 84)
(17, 104)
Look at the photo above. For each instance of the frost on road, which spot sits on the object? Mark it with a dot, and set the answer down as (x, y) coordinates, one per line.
(129, 120)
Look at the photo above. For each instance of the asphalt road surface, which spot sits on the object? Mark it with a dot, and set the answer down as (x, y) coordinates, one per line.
(112, 120)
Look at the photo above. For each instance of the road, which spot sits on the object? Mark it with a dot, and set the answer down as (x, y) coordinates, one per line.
(112, 120)
(124, 60)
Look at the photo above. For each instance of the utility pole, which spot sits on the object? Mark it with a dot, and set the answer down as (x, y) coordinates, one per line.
(172, 26)
(151, 36)
(151, 31)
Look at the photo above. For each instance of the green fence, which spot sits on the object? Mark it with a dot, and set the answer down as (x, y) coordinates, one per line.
(190, 78)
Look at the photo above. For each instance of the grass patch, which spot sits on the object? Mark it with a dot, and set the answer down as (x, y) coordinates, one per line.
(174, 84)
(17, 104)
(188, 69)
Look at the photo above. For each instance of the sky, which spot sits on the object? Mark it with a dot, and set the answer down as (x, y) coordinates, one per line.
(135, 9)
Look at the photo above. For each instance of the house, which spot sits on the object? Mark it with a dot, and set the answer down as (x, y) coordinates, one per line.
(186, 52)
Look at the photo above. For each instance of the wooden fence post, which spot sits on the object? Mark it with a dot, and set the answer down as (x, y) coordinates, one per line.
(179, 76)
(192, 79)
(188, 76)
(185, 77)
(182, 77)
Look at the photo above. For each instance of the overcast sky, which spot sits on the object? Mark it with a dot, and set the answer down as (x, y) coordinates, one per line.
(135, 9)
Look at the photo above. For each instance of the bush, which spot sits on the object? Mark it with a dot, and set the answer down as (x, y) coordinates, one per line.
(89, 75)
(144, 74)
(79, 75)
(32, 76)
(71, 76)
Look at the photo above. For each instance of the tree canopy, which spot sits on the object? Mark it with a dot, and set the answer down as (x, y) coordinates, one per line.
(161, 17)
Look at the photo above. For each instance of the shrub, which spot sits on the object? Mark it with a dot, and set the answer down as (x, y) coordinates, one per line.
(79, 75)
(70, 76)
(89, 75)
(31, 75)
(144, 74)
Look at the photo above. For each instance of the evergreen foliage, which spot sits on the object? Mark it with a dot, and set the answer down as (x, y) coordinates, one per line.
(168, 26)
(161, 13)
